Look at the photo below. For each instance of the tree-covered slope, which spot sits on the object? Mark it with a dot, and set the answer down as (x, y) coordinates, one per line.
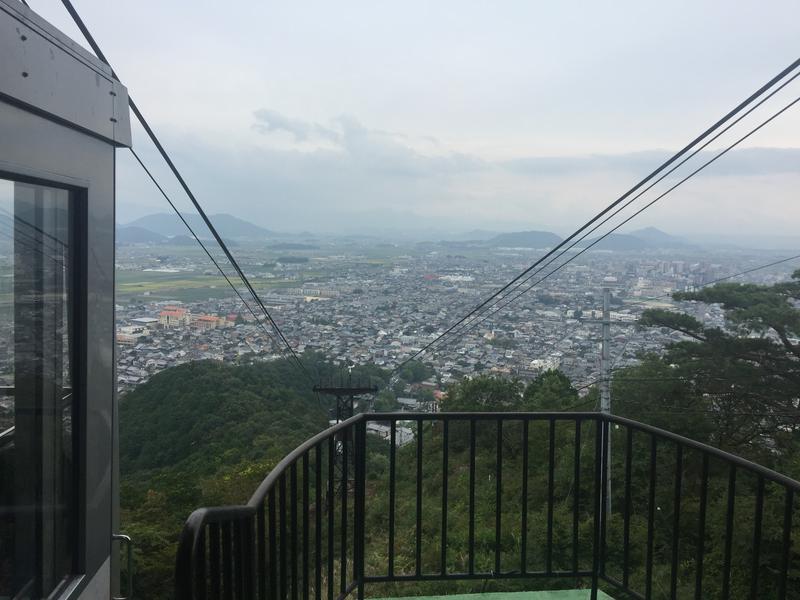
(202, 415)
(203, 434)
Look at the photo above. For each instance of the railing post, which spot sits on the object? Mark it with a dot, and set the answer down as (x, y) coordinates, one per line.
(605, 484)
(599, 460)
(359, 530)
(189, 547)
(247, 526)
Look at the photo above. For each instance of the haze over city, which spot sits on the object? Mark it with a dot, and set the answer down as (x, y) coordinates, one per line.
(453, 117)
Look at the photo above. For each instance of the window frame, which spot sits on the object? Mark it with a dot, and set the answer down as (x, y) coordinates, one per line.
(78, 280)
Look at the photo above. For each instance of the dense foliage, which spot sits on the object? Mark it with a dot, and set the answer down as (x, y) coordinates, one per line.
(202, 434)
(736, 387)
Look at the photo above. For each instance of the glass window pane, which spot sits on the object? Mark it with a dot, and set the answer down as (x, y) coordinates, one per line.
(38, 508)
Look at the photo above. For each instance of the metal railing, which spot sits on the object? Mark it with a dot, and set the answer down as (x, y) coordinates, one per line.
(582, 500)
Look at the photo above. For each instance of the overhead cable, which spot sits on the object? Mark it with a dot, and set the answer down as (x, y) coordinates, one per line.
(663, 167)
(720, 280)
(205, 249)
(476, 322)
(639, 211)
(162, 151)
(619, 209)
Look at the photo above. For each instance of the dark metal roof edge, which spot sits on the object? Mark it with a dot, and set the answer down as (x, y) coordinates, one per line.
(118, 131)
(19, 11)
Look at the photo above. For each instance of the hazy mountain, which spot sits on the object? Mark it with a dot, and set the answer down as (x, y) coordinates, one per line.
(132, 234)
(618, 242)
(481, 235)
(749, 241)
(526, 239)
(641, 239)
(655, 238)
(181, 240)
(293, 246)
(228, 226)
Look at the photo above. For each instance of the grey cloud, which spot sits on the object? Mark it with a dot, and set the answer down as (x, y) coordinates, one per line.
(391, 153)
(369, 149)
(568, 165)
(737, 163)
(371, 178)
(758, 161)
(268, 121)
(387, 153)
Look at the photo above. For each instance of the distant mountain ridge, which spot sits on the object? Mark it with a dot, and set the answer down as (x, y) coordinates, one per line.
(526, 239)
(657, 238)
(228, 226)
(641, 239)
(617, 242)
(133, 234)
(474, 235)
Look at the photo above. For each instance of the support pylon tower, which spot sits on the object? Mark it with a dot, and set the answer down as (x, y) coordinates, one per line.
(345, 408)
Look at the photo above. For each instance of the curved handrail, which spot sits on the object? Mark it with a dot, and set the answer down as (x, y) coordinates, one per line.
(189, 544)
(190, 577)
(768, 474)
(261, 491)
(191, 538)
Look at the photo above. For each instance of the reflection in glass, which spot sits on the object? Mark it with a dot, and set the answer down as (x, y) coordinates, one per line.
(38, 505)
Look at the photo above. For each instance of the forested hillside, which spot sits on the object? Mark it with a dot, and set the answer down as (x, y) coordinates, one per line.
(202, 434)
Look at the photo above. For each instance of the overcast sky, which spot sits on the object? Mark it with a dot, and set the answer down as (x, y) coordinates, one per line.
(453, 115)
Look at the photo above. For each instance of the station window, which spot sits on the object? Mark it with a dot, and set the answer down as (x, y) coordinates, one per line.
(38, 389)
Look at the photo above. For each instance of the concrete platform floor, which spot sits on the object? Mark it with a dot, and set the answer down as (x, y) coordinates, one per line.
(554, 595)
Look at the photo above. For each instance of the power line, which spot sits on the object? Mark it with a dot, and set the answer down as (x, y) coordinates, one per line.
(570, 330)
(233, 262)
(579, 404)
(19, 223)
(493, 311)
(205, 249)
(615, 369)
(721, 279)
(669, 408)
(162, 151)
(723, 413)
(621, 354)
(555, 344)
(613, 205)
(627, 204)
(588, 385)
(692, 378)
(626, 220)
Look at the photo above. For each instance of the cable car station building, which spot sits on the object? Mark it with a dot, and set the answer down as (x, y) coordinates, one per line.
(62, 116)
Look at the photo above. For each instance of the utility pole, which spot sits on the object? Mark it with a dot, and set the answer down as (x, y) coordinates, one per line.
(605, 355)
(605, 386)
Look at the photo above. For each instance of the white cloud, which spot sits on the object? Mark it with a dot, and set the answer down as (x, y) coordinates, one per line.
(362, 178)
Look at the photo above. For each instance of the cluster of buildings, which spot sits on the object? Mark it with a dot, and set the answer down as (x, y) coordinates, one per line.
(138, 329)
(357, 310)
(154, 336)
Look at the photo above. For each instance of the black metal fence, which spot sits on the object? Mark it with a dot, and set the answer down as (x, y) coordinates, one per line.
(581, 500)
